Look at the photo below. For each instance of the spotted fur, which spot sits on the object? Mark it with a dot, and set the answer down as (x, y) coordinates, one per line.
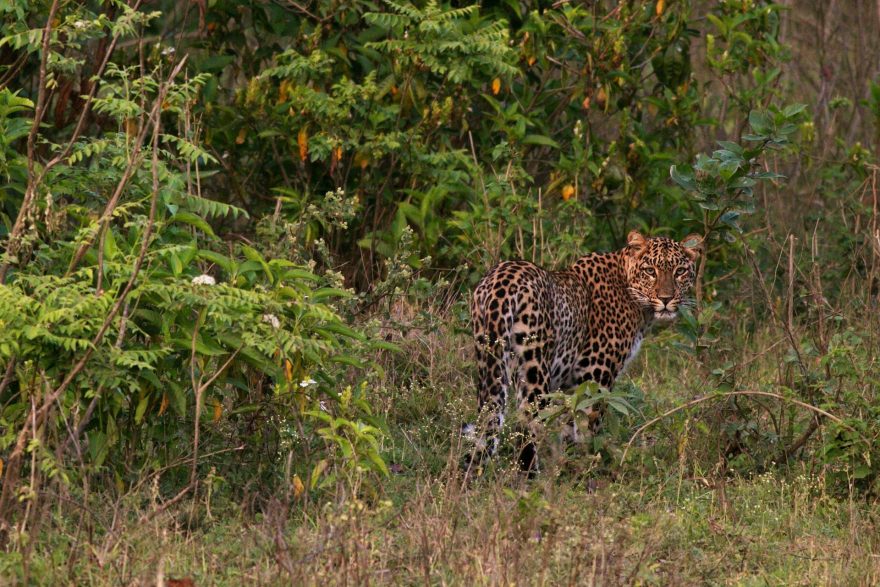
(552, 330)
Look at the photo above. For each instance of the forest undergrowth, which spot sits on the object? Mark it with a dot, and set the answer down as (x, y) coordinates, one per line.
(677, 512)
(238, 244)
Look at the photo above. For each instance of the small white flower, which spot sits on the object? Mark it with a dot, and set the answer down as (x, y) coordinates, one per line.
(80, 24)
(272, 320)
(203, 280)
(168, 51)
(307, 382)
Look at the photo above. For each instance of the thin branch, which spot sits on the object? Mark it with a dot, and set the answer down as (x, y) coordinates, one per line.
(30, 194)
(33, 183)
(197, 390)
(7, 376)
(134, 163)
(720, 395)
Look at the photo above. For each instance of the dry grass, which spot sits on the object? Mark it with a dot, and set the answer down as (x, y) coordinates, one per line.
(776, 529)
(668, 517)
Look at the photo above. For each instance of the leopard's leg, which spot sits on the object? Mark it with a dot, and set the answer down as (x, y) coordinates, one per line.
(533, 385)
(493, 382)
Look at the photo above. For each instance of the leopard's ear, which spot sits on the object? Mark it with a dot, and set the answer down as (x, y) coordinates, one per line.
(693, 245)
(635, 242)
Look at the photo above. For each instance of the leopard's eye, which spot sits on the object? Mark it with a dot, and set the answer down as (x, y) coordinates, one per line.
(681, 272)
(649, 271)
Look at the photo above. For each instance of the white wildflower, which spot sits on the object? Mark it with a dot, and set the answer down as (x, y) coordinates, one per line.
(80, 24)
(272, 320)
(168, 51)
(203, 280)
(307, 382)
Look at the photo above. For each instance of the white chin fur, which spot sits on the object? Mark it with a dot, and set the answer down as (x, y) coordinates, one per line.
(665, 316)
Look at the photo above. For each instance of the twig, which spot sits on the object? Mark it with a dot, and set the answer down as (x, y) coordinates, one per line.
(133, 164)
(33, 183)
(39, 110)
(7, 376)
(789, 333)
(720, 395)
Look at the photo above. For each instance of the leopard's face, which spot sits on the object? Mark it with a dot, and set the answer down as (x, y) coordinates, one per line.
(661, 272)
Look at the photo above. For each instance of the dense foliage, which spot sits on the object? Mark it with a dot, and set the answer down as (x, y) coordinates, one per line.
(222, 220)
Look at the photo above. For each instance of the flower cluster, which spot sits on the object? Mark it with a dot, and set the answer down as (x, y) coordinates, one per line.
(203, 280)
(272, 320)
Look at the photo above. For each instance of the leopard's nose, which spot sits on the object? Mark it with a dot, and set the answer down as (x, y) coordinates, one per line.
(665, 299)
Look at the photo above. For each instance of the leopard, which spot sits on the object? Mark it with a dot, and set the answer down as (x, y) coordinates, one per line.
(539, 331)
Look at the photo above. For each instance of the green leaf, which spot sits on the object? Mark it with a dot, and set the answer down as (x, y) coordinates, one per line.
(683, 178)
(730, 218)
(194, 221)
(110, 249)
(175, 264)
(731, 146)
(728, 168)
(98, 447)
(378, 461)
(223, 261)
(387, 346)
(339, 328)
(793, 110)
(301, 274)
(767, 175)
(203, 347)
(323, 293)
(141, 408)
(861, 471)
(251, 254)
(177, 398)
(759, 121)
(348, 360)
(540, 140)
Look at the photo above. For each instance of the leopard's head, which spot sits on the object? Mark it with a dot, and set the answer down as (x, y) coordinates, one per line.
(660, 272)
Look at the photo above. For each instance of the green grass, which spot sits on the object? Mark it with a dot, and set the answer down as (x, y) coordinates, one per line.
(673, 514)
(775, 529)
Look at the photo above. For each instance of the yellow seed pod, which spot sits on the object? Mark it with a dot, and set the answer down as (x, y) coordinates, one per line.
(568, 192)
(288, 370)
(661, 5)
(496, 86)
(298, 486)
(163, 405)
(242, 134)
(302, 139)
(252, 93)
(283, 91)
(218, 411)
